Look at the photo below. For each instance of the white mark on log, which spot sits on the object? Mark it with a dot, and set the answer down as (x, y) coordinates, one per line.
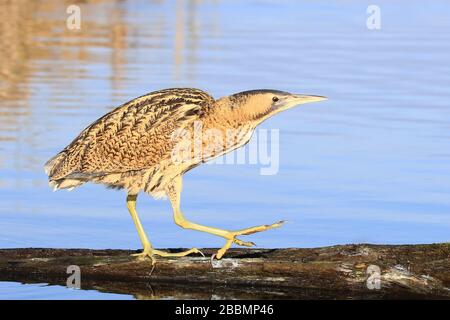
(402, 276)
(275, 279)
(402, 269)
(40, 259)
(225, 263)
(99, 264)
(345, 268)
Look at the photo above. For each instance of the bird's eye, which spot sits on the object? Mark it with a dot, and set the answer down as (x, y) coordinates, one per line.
(275, 99)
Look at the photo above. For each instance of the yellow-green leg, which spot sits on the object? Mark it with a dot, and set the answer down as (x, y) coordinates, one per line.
(148, 251)
(174, 191)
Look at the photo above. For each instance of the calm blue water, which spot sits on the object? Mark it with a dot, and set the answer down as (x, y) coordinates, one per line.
(13, 290)
(371, 164)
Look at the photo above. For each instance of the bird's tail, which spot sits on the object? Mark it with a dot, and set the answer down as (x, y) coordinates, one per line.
(54, 180)
(52, 164)
(64, 183)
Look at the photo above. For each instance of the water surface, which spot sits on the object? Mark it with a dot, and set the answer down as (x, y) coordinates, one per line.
(39, 291)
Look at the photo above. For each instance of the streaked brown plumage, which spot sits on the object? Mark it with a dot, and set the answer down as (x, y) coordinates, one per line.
(127, 147)
(132, 146)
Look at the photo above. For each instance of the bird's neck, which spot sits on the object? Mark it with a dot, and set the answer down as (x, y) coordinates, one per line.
(227, 115)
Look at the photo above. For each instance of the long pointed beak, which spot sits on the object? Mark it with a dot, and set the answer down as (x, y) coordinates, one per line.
(302, 98)
(292, 100)
(297, 99)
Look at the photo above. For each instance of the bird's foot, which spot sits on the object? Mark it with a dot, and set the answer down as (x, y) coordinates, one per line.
(145, 254)
(151, 253)
(231, 237)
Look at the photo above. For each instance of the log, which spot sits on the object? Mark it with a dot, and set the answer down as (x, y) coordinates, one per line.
(336, 272)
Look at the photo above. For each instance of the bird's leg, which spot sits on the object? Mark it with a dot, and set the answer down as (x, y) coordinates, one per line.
(174, 190)
(148, 251)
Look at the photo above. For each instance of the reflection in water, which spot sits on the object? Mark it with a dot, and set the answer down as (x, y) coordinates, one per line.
(37, 50)
(15, 45)
(15, 51)
(366, 166)
(193, 36)
(179, 38)
(119, 46)
(187, 45)
(159, 291)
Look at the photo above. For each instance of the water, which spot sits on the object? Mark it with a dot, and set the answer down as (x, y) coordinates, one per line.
(38, 291)
(370, 164)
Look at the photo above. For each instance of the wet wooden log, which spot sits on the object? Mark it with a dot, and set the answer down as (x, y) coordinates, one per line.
(337, 272)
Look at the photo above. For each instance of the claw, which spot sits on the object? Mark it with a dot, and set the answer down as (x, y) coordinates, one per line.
(150, 253)
(244, 243)
(198, 251)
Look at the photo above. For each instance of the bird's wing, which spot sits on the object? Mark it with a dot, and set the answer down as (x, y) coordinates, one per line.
(134, 136)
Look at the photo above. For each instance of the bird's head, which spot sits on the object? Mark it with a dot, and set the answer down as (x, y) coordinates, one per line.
(258, 105)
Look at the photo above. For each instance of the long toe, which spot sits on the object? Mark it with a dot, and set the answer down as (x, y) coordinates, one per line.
(177, 254)
(244, 243)
(258, 228)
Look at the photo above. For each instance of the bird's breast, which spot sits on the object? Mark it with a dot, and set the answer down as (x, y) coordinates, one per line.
(218, 141)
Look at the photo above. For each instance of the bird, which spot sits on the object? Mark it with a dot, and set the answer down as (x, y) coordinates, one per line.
(146, 145)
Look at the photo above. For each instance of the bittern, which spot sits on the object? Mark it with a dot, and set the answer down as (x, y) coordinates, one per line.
(145, 145)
